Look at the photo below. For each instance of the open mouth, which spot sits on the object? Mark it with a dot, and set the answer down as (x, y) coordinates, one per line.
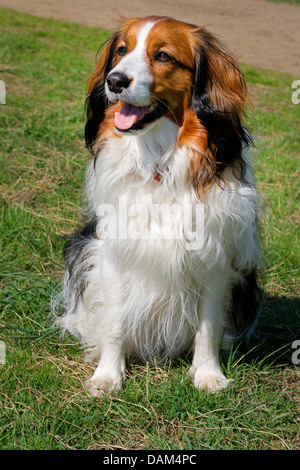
(135, 118)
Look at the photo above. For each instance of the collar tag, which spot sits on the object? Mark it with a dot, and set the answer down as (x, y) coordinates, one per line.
(157, 174)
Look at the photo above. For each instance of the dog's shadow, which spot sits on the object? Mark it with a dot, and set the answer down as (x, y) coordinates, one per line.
(270, 345)
(273, 340)
(278, 327)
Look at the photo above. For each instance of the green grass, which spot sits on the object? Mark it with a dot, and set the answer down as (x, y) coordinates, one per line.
(292, 2)
(45, 65)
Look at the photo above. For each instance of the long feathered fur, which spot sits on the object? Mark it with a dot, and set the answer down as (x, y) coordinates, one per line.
(147, 293)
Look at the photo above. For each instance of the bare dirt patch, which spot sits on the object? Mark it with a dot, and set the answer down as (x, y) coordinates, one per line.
(260, 33)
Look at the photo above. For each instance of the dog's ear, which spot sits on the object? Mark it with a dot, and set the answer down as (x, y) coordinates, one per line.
(218, 100)
(96, 102)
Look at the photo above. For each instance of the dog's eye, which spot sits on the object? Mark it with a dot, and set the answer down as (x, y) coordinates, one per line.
(122, 50)
(163, 56)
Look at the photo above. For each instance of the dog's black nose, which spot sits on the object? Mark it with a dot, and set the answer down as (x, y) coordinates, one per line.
(117, 81)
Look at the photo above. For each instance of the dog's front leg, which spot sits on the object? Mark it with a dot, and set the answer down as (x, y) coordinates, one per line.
(110, 370)
(206, 371)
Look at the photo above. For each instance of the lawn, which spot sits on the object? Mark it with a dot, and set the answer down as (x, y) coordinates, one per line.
(45, 65)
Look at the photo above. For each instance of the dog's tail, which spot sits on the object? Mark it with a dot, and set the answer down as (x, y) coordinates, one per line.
(245, 302)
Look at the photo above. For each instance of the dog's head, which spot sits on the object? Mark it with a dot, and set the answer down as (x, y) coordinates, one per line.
(158, 67)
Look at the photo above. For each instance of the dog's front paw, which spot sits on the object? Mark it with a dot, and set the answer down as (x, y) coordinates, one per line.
(102, 384)
(206, 380)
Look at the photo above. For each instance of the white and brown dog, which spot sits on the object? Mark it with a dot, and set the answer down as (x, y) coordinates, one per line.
(164, 127)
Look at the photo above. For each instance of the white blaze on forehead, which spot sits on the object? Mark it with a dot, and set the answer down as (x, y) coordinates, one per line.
(137, 57)
(136, 67)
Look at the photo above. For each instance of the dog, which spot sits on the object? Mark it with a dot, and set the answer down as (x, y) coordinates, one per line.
(166, 259)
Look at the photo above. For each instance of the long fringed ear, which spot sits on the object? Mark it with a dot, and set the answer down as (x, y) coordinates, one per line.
(96, 101)
(218, 101)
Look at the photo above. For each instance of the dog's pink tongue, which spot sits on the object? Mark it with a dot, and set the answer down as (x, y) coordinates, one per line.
(129, 115)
